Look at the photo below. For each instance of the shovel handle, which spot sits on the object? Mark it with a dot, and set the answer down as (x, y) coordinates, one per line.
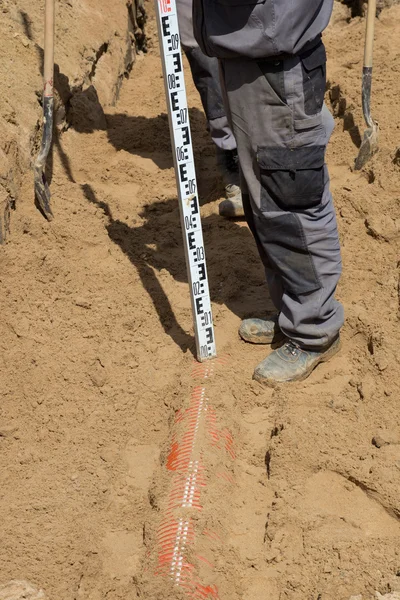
(369, 37)
(48, 69)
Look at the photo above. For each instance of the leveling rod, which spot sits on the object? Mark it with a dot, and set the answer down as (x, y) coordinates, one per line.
(181, 141)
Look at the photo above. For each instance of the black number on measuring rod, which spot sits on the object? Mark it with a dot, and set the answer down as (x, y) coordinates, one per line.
(199, 306)
(210, 336)
(204, 352)
(174, 101)
(185, 136)
(198, 288)
(194, 205)
(191, 241)
(190, 186)
(173, 82)
(183, 173)
(181, 153)
(206, 318)
(190, 222)
(177, 63)
(165, 26)
(202, 271)
(183, 116)
(173, 42)
(198, 254)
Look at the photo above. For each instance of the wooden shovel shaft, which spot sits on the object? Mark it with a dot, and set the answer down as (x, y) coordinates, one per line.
(48, 70)
(369, 37)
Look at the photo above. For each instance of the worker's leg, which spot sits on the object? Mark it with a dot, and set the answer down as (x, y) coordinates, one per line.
(281, 133)
(205, 73)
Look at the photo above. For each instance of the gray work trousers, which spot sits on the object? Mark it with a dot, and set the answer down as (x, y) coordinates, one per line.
(205, 73)
(282, 127)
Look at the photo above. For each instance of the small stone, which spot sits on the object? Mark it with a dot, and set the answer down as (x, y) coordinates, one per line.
(382, 364)
(360, 391)
(378, 441)
(385, 438)
(99, 378)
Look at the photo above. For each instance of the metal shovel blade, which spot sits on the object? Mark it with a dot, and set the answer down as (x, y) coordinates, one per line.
(42, 191)
(368, 146)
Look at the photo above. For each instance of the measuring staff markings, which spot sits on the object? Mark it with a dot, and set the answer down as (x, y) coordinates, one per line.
(181, 140)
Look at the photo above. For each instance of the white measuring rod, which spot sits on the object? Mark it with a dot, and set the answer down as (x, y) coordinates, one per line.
(181, 140)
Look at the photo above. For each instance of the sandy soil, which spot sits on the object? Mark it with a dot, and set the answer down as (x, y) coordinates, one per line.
(97, 351)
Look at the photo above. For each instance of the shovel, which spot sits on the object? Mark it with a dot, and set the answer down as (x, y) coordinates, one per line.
(369, 144)
(42, 191)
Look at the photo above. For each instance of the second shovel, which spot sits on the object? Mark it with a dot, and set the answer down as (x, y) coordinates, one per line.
(369, 144)
(42, 190)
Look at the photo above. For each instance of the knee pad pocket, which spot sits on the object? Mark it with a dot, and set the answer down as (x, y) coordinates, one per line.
(284, 242)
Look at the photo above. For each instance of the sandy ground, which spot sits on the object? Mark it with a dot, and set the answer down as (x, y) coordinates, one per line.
(97, 351)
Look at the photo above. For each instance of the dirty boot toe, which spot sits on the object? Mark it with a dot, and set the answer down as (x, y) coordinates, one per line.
(291, 363)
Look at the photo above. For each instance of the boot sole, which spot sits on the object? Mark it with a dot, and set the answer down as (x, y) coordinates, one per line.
(333, 350)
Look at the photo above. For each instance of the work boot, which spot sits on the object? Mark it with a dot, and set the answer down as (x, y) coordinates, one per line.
(228, 163)
(260, 331)
(232, 207)
(291, 363)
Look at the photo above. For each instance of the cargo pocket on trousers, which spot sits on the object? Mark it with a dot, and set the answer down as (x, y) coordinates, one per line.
(293, 178)
(284, 242)
(313, 64)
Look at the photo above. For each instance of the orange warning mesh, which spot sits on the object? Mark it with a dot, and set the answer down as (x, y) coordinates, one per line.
(196, 430)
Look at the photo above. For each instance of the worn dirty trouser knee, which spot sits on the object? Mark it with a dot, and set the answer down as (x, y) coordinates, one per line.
(282, 127)
(205, 73)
